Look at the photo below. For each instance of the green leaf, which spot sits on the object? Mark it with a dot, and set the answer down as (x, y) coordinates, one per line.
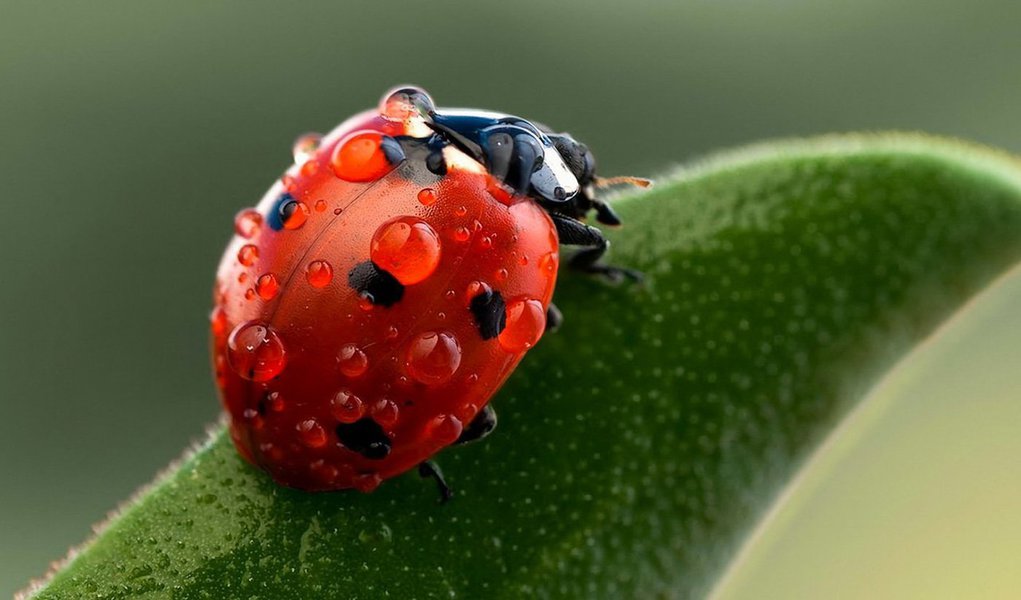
(640, 444)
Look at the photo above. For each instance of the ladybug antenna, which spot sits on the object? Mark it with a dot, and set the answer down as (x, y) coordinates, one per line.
(641, 182)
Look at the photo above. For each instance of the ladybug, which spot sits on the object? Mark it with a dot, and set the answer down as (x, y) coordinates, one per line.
(386, 286)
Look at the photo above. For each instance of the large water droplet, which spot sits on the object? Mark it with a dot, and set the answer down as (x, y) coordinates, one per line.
(526, 321)
(305, 147)
(405, 103)
(359, 157)
(352, 361)
(255, 351)
(433, 357)
(407, 248)
(247, 223)
(319, 273)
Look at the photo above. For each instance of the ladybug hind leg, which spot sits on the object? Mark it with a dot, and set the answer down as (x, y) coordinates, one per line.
(482, 425)
(430, 469)
(573, 232)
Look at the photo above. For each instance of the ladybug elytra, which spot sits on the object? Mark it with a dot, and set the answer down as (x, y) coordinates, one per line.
(387, 285)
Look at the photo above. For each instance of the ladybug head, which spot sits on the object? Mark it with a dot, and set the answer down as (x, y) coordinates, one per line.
(512, 149)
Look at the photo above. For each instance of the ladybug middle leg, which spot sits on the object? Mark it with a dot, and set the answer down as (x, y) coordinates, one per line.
(573, 232)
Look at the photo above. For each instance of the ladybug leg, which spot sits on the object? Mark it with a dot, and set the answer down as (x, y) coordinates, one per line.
(482, 425)
(605, 214)
(573, 232)
(554, 318)
(429, 469)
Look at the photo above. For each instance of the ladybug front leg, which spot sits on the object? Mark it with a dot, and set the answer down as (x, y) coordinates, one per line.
(573, 232)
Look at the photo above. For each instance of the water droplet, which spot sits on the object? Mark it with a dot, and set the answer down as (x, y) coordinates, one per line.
(404, 103)
(321, 206)
(352, 361)
(474, 289)
(289, 183)
(366, 482)
(242, 277)
(311, 433)
(433, 357)
(337, 211)
(486, 242)
(523, 261)
(248, 254)
(391, 332)
(467, 412)
(310, 168)
(359, 157)
(441, 315)
(461, 234)
(473, 378)
(255, 351)
(385, 412)
(445, 429)
(450, 294)
(293, 214)
(305, 147)
(249, 294)
(323, 471)
(247, 223)
(461, 211)
(267, 286)
(319, 273)
(254, 419)
(427, 196)
(548, 263)
(346, 407)
(526, 321)
(407, 248)
(500, 275)
(218, 321)
(275, 402)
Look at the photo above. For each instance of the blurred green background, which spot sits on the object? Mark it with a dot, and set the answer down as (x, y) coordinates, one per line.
(130, 133)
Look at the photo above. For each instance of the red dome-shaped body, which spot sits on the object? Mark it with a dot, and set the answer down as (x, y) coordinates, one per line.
(369, 308)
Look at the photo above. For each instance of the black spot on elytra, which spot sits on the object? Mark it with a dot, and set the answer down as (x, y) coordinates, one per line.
(490, 312)
(365, 437)
(380, 287)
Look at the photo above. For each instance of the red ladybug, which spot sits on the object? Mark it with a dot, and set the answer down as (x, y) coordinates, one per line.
(386, 286)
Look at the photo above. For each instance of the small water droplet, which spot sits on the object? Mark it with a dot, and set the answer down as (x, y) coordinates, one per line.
(321, 206)
(548, 263)
(337, 211)
(290, 184)
(254, 419)
(248, 254)
(445, 429)
(461, 234)
(461, 211)
(486, 242)
(255, 351)
(310, 168)
(323, 471)
(311, 433)
(352, 361)
(467, 412)
(267, 286)
(305, 147)
(385, 412)
(319, 273)
(526, 321)
(218, 321)
(247, 223)
(427, 196)
(500, 275)
(275, 402)
(433, 357)
(249, 294)
(391, 332)
(242, 277)
(474, 289)
(450, 294)
(366, 482)
(346, 407)
(407, 248)
(359, 157)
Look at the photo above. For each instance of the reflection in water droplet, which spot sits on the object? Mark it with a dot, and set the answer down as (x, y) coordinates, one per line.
(352, 361)
(267, 286)
(319, 273)
(311, 433)
(255, 351)
(407, 248)
(247, 223)
(346, 407)
(305, 147)
(526, 321)
(433, 357)
(359, 157)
